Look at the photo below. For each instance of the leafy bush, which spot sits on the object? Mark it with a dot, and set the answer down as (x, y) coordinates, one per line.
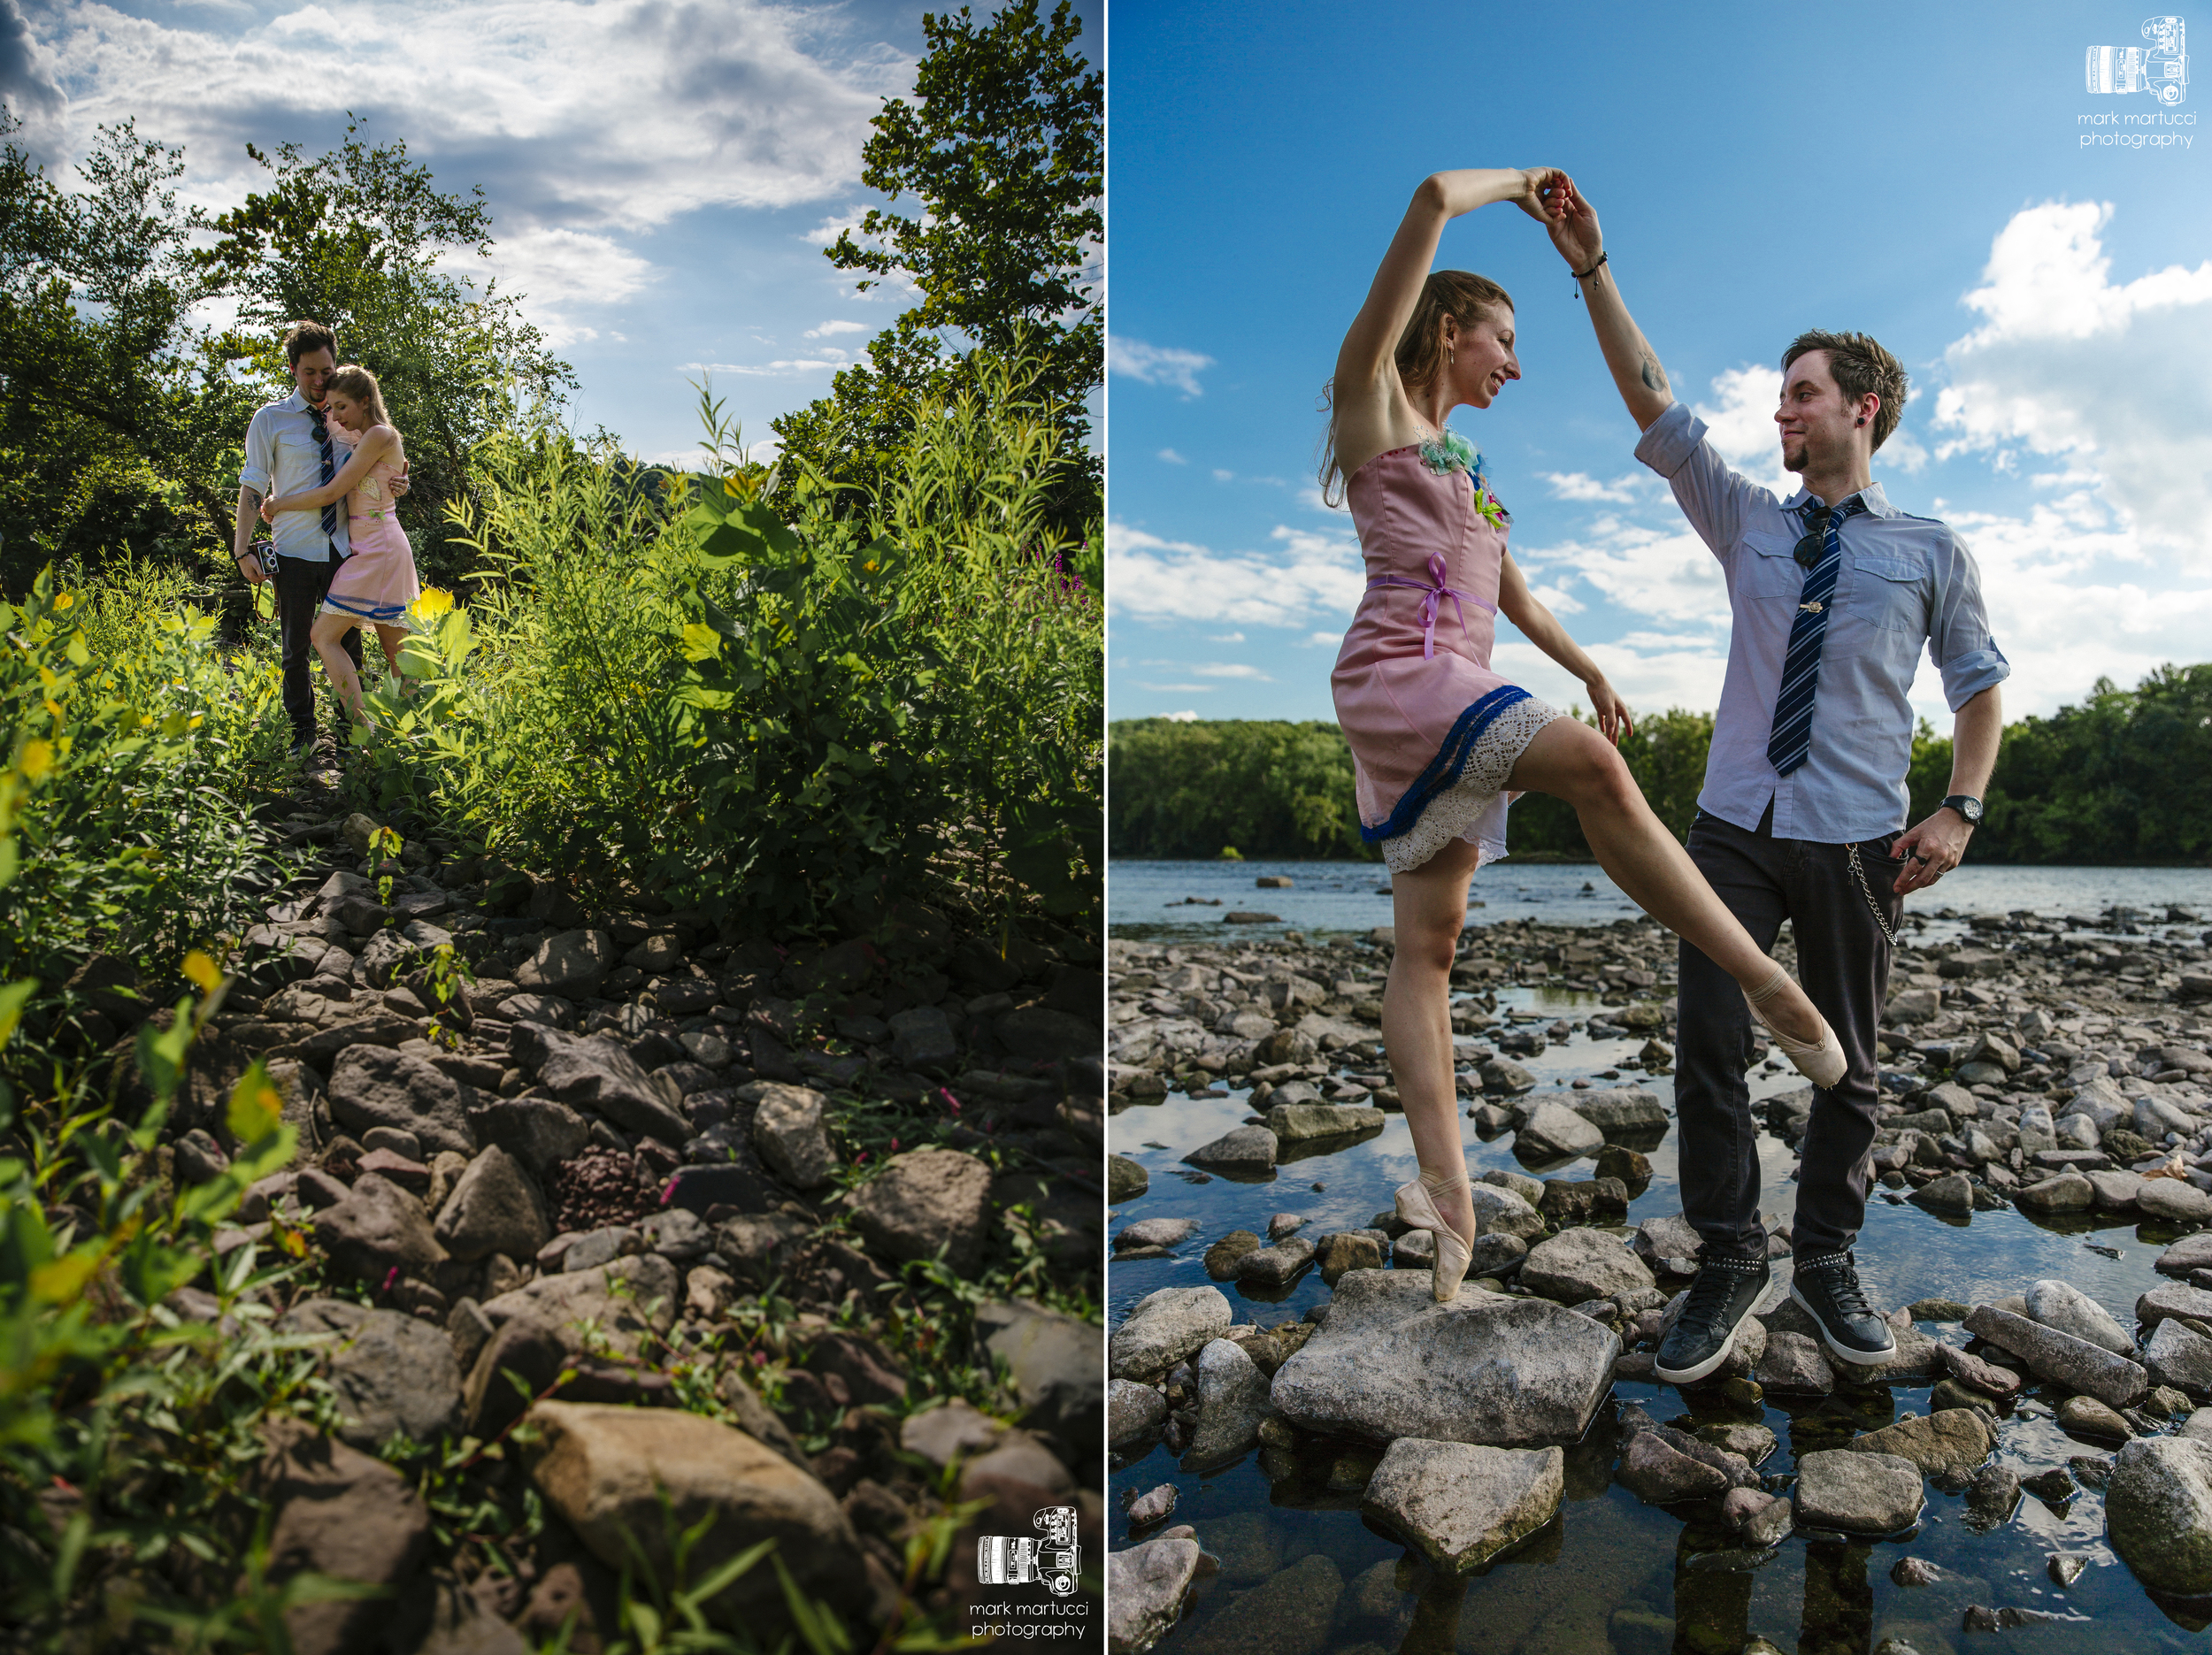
(137, 748)
(670, 683)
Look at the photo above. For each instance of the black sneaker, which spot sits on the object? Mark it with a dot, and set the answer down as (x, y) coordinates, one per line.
(1719, 1300)
(1827, 1284)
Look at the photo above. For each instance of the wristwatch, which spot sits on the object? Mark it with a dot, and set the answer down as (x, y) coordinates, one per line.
(1967, 806)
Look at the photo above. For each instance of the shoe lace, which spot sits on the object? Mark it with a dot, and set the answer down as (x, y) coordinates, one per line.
(1839, 1280)
(1707, 1307)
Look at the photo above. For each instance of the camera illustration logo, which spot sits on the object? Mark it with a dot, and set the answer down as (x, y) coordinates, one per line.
(1052, 1559)
(2161, 68)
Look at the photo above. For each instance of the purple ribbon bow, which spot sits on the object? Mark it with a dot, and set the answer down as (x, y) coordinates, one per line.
(1437, 593)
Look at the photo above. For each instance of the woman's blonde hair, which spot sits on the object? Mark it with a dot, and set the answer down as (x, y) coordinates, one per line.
(1459, 293)
(357, 384)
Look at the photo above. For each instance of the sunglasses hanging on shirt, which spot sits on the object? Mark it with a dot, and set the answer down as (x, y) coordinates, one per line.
(1807, 551)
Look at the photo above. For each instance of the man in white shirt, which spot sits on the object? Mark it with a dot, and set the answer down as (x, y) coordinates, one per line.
(289, 447)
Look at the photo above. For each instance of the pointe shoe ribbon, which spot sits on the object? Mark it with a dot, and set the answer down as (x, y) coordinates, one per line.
(1416, 1205)
(1821, 1061)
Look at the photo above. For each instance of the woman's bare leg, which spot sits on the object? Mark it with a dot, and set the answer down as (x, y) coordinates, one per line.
(328, 636)
(1573, 762)
(392, 638)
(1429, 905)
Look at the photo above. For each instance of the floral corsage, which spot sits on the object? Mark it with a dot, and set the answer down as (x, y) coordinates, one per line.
(1452, 452)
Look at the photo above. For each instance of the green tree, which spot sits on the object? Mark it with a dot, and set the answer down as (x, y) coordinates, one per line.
(1269, 788)
(356, 238)
(1002, 149)
(115, 413)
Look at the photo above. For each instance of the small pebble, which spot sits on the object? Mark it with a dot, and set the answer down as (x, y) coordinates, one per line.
(2065, 1567)
(1915, 1572)
(1151, 1507)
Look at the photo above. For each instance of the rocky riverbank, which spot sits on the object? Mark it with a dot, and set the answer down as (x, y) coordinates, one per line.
(639, 1203)
(2055, 1066)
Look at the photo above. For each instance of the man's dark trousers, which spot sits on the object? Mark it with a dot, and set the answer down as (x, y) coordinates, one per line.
(1843, 964)
(300, 587)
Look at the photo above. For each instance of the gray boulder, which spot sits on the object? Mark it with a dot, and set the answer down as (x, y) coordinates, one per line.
(1951, 1443)
(572, 964)
(1576, 1265)
(2061, 1358)
(2158, 1510)
(624, 1302)
(1794, 1364)
(1135, 1415)
(1167, 1326)
(539, 1132)
(789, 1133)
(371, 1086)
(377, 1229)
(1623, 1111)
(495, 1207)
(1248, 1149)
(1504, 1212)
(922, 1037)
(2175, 1199)
(1390, 1362)
(925, 1199)
(1658, 1473)
(1858, 1493)
(1146, 1586)
(596, 1073)
(2062, 1306)
(1051, 1359)
(1554, 1133)
(2173, 1299)
(391, 1373)
(1156, 1232)
(1290, 1121)
(1463, 1503)
(1231, 1402)
(2179, 1358)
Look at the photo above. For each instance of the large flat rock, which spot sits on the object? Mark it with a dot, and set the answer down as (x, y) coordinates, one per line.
(1857, 1493)
(1463, 1503)
(1390, 1363)
(2158, 1509)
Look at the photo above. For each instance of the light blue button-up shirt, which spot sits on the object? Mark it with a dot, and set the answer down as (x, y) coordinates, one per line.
(1905, 581)
(282, 457)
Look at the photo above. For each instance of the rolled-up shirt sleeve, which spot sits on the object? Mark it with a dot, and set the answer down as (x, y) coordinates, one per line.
(1711, 497)
(1959, 642)
(259, 473)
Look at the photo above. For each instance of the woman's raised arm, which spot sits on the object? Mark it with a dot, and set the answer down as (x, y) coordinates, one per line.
(1442, 196)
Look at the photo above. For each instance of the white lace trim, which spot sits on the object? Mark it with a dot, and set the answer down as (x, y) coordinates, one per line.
(1473, 807)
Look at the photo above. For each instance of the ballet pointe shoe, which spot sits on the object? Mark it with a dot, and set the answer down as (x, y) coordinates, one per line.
(1821, 1061)
(1416, 1205)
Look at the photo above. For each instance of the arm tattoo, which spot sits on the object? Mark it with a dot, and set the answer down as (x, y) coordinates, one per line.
(1654, 375)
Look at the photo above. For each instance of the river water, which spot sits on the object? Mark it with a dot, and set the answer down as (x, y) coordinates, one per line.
(1610, 1573)
(1146, 900)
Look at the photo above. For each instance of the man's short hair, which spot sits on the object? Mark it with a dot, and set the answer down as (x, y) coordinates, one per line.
(303, 337)
(1859, 366)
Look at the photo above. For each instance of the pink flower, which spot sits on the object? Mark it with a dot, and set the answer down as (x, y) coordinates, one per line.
(951, 1102)
(668, 1192)
(391, 1278)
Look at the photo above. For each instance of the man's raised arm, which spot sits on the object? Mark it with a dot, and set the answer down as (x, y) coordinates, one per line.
(1637, 374)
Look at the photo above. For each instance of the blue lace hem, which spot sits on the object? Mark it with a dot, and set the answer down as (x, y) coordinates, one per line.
(1445, 768)
(382, 614)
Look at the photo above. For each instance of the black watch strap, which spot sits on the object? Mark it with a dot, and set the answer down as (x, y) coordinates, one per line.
(1968, 807)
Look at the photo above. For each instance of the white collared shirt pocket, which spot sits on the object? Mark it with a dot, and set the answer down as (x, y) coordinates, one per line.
(1766, 568)
(1892, 589)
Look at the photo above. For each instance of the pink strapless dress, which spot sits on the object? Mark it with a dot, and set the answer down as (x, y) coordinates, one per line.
(376, 583)
(1433, 732)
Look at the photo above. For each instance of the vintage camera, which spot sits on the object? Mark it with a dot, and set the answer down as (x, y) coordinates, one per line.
(2161, 68)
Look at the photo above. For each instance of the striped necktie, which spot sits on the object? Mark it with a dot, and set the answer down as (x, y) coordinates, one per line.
(330, 469)
(1792, 742)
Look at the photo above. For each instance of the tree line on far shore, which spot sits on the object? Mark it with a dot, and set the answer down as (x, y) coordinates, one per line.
(2123, 779)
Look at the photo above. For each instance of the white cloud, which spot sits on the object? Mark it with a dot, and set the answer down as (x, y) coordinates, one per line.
(1226, 638)
(1172, 458)
(829, 328)
(2111, 377)
(559, 270)
(1181, 689)
(1904, 451)
(828, 361)
(1186, 718)
(1232, 669)
(29, 89)
(1221, 476)
(1307, 576)
(1154, 365)
(1582, 485)
(616, 117)
(1742, 428)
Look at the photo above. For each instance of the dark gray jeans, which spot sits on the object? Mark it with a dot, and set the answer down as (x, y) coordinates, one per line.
(300, 587)
(1843, 964)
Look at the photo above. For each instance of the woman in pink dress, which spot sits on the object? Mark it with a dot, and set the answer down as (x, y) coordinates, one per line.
(1440, 743)
(376, 583)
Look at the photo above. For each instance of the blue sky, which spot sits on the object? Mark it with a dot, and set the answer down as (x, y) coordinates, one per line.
(1915, 172)
(662, 176)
